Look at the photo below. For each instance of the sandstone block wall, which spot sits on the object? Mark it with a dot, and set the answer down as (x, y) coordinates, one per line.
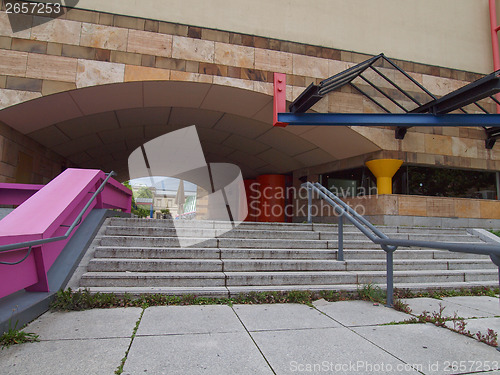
(88, 48)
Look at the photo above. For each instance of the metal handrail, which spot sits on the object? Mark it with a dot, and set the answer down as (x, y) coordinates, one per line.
(389, 245)
(77, 221)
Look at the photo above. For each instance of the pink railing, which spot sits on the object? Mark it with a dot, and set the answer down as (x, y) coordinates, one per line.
(15, 194)
(47, 214)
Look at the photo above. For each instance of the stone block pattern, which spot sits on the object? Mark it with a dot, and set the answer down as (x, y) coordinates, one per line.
(85, 48)
(46, 164)
(413, 205)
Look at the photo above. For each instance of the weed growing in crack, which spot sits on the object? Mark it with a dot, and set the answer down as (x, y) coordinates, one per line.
(490, 338)
(407, 321)
(371, 292)
(439, 319)
(440, 293)
(14, 336)
(401, 306)
(119, 370)
(83, 299)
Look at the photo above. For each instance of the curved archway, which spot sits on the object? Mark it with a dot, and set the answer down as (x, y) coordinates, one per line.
(99, 126)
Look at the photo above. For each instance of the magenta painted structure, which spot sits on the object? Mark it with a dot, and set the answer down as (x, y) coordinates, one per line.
(47, 214)
(15, 194)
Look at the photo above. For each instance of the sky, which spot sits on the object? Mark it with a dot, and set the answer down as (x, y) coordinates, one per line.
(163, 183)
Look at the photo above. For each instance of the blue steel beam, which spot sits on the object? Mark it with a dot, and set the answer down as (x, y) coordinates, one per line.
(389, 119)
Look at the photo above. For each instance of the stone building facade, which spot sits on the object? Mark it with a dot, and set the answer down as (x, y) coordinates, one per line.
(50, 66)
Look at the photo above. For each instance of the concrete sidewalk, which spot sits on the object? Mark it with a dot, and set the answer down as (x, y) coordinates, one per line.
(341, 337)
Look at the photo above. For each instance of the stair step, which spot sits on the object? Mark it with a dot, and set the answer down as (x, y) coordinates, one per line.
(156, 252)
(390, 229)
(404, 236)
(208, 224)
(366, 254)
(205, 291)
(232, 291)
(235, 290)
(198, 279)
(297, 254)
(145, 256)
(212, 233)
(272, 244)
(419, 265)
(249, 265)
(367, 277)
(273, 234)
(136, 241)
(211, 253)
(153, 279)
(154, 265)
(360, 277)
(154, 241)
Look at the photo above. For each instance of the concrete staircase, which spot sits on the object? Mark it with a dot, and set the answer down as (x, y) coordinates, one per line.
(143, 256)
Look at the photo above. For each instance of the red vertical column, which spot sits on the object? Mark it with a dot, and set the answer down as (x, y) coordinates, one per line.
(289, 198)
(253, 194)
(494, 40)
(279, 99)
(272, 198)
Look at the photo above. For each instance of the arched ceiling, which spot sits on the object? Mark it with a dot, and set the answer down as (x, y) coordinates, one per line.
(98, 127)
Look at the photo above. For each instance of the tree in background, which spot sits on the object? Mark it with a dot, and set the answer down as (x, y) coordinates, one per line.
(140, 212)
(144, 192)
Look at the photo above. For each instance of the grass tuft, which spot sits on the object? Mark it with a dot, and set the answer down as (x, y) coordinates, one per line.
(441, 293)
(371, 292)
(14, 336)
(70, 300)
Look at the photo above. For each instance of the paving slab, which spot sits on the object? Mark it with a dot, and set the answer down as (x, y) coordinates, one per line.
(213, 353)
(96, 323)
(63, 357)
(361, 313)
(282, 316)
(486, 304)
(478, 325)
(167, 320)
(328, 350)
(419, 305)
(432, 349)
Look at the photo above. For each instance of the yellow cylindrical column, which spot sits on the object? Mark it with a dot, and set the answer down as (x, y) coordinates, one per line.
(384, 170)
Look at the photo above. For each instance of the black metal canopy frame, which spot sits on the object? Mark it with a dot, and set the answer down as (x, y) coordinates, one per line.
(369, 79)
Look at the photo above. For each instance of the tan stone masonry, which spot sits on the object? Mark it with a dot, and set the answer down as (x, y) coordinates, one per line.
(84, 48)
(46, 164)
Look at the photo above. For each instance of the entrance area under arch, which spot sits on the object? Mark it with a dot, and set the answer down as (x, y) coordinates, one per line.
(99, 126)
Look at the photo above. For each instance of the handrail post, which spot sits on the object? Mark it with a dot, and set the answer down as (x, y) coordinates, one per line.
(340, 254)
(390, 278)
(389, 245)
(309, 204)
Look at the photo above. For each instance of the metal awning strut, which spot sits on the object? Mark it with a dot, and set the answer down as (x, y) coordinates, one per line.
(418, 107)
